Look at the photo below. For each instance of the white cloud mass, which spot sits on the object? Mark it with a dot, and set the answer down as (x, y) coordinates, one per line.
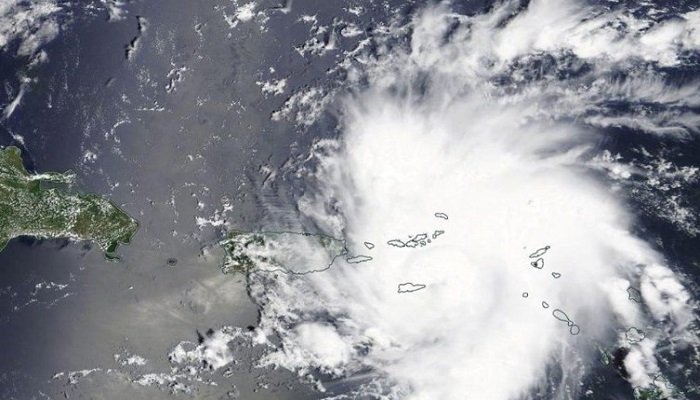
(32, 23)
(492, 119)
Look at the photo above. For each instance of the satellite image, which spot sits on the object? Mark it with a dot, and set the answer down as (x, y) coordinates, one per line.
(350, 199)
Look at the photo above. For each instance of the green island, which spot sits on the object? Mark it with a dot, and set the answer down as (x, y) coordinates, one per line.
(289, 252)
(653, 392)
(29, 208)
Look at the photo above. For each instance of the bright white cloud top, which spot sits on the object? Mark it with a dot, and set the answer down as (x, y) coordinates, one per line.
(491, 120)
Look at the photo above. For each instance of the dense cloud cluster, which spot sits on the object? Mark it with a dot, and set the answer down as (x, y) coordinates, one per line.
(492, 119)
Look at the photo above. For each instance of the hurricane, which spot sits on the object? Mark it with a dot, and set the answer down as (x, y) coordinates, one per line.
(494, 249)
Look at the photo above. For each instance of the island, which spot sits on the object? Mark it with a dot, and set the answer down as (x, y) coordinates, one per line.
(288, 252)
(37, 205)
(410, 287)
(358, 259)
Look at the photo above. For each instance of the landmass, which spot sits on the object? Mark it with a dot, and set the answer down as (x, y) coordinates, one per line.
(289, 252)
(634, 335)
(28, 207)
(540, 252)
(409, 287)
(420, 239)
(561, 316)
(358, 259)
(396, 243)
(653, 392)
(415, 240)
(634, 295)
